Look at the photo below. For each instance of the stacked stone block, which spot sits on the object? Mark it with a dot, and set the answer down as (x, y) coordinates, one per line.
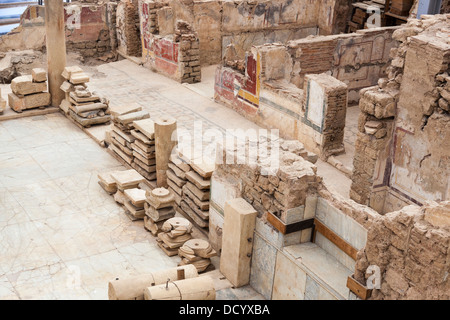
(189, 53)
(176, 177)
(84, 107)
(197, 252)
(159, 207)
(174, 233)
(121, 137)
(128, 34)
(196, 192)
(134, 202)
(144, 159)
(29, 92)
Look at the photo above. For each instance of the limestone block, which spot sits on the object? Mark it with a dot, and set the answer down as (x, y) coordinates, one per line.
(136, 196)
(119, 110)
(39, 75)
(78, 78)
(146, 127)
(24, 85)
(237, 241)
(68, 71)
(198, 181)
(201, 194)
(28, 102)
(127, 179)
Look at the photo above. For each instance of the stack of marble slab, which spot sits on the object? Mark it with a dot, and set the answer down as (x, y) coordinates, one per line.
(30, 91)
(174, 233)
(158, 209)
(2, 103)
(83, 106)
(127, 179)
(107, 182)
(196, 193)
(144, 158)
(176, 177)
(121, 136)
(197, 252)
(134, 202)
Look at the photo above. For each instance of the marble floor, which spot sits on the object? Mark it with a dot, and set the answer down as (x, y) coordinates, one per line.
(61, 235)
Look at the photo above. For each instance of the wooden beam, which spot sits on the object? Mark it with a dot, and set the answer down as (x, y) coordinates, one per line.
(289, 228)
(16, 4)
(359, 289)
(337, 240)
(5, 22)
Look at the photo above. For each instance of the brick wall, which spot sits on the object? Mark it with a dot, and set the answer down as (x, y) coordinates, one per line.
(127, 26)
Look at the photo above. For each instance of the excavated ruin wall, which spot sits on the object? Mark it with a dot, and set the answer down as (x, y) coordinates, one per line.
(245, 23)
(87, 30)
(411, 248)
(402, 150)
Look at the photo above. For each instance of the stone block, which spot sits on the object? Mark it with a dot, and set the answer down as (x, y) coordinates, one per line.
(39, 75)
(290, 281)
(28, 102)
(237, 241)
(24, 85)
(262, 274)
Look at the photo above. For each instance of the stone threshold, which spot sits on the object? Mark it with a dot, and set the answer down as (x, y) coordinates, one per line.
(10, 114)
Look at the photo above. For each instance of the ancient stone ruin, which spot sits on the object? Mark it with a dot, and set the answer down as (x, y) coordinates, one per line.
(225, 150)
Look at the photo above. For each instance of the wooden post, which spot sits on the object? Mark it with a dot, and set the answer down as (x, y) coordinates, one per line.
(56, 48)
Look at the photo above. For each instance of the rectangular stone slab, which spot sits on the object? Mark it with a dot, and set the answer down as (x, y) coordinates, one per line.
(146, 127)
(172, 176)
(87, 122)
(122, 141)
(202, 214)
(198, 181)
(127, 178)
(138, 213)
(121, 154)
(145, 147)
(180, 163)
(89, 107)
(142, 137)
(123, 148)
(177, 190)
(136, 196)
(238, 227)
(147, 167)
(202, 195)
(178, 172)
(124, 109)
(28, 102)
(39, 75)
(203, 205)
(78, 99)
(106, 178)
(69, 70)
(147, 155)
(190, 213)
(24, 85)
(126, 136)
(78, 78)
(204, 169)
(147, 161)
(128, 118)
(150, 176)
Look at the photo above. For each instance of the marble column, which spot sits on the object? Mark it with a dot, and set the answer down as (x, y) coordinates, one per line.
(56, 48)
